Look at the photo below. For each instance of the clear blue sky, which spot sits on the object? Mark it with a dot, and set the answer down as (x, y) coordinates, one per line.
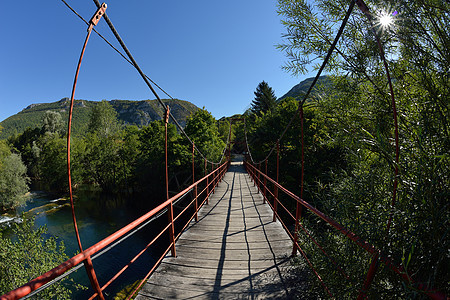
(211, 53)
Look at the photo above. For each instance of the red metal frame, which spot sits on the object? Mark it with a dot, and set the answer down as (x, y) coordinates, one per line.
(377, 255)
(275, 203)
(86, 254)
(88, 262)
(170, 208)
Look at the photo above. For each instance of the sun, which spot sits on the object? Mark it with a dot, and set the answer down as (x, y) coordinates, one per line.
(386, 20)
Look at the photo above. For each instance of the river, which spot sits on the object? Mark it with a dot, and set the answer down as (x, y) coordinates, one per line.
(98, 215)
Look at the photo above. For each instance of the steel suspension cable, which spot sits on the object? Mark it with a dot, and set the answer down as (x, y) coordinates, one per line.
(226, 144)
(88, 262)
(134, 63)
(112, 46)
(322, 67)
(363, 7)
(248, 147)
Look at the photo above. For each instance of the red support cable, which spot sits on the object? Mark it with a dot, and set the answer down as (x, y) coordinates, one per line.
(370, 276)
(45, 278)
(298, 210)
(363, 7)
(357, 240)
(170, 208)
(252, 174)
(88, 262)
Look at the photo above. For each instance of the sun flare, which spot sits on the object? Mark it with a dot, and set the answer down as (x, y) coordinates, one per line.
(386, 20)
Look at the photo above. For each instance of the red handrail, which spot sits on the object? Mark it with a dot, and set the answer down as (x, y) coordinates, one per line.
(375, 253)
(45, 278)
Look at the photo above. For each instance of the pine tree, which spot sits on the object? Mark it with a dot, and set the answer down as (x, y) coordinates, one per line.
(265, 99)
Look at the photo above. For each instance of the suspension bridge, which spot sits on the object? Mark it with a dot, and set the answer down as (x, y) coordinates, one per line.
(230, 240)
(234, 251)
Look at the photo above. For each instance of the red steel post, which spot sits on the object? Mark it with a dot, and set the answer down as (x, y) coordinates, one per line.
(298, 211)
(259, 176)
(207, 182)
(172, 226)
(229, 143)
(254, 175)
(212, 178)
(370, 276)
(265, 183)
(275, 203)
(193, 182)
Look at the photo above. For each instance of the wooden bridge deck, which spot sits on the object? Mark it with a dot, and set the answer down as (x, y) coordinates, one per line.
(235, 251)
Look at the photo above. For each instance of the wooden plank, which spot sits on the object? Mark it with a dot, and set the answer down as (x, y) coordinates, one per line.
(235, 251)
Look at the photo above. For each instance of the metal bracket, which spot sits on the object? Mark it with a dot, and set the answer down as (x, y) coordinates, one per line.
(167, 114)
(97, 16)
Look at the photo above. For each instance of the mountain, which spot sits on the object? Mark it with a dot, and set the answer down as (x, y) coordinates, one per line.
(129, 112)
(300, 89)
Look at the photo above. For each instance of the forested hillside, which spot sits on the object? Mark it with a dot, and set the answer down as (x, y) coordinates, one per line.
(129, 112)
(323, 84)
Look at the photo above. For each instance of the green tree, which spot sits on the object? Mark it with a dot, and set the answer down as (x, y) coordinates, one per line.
(29, 254)
(52, 122)
(357, 116)
(201, 126)
(129, 156)
(53, 162)
(28, 145)
(151, 168)
(265, 99)
(4, 151)
(103, 120)
(13, 182)
(101, 161)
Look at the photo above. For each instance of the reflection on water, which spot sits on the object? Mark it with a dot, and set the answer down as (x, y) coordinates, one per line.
(98, 215)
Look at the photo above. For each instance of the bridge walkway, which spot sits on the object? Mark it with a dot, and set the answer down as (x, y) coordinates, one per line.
(235, 251)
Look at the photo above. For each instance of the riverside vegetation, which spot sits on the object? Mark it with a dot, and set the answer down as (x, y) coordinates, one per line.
(349, 142)
(349, 152)
(111, 156)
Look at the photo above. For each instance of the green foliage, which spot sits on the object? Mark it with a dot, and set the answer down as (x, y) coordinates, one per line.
(103, 121)
(4, 151)
(356, 117)
(202, 128)
(224, 128)
(264, 100)
(138, 113)
(13, 182)
(322, 159)
(27, 145)
(53, 162)
(29, 255)
(151, 169)
(109, 156)
(52, 122)
(129, 155)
